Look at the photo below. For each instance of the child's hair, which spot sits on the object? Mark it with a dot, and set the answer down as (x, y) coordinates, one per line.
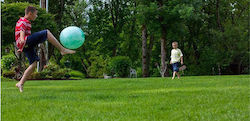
(30, 9)
(175, 42)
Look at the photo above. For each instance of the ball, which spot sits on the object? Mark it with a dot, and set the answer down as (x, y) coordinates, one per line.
(72, 37)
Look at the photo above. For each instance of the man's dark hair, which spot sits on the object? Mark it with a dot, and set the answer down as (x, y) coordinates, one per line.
(30, 9)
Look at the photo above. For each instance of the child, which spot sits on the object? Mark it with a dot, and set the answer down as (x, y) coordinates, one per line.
(26, 42)
(176, 58)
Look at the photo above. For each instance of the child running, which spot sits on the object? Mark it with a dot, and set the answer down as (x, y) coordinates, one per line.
(176, 58)
(26, 42)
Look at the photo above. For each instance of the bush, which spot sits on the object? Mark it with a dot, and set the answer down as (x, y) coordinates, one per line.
(120, 65)
(60, 74)
(74, 62)
(36, 75)
(139, 72)
(76, 74)
(155, 73)
(50, 69)
(45, 74)
(9, 74)
(6, 79)
(8, 61)
(98, 66)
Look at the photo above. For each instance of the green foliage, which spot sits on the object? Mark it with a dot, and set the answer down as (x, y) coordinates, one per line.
(139, 72)
(45, 74)
(7, 61)
(51, 68)
(74, 62)
(36, 75)
(76, 74)
(59, 74)
(9, 74)
(13, 11)
(3, 79)
(52, 71)
(120, 65)
(30, 1)
(155, 73)
(98, 66)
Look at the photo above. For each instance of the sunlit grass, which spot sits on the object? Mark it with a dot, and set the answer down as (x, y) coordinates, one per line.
(203, 98)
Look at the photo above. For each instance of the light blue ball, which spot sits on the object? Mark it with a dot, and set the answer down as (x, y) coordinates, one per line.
(72, 37)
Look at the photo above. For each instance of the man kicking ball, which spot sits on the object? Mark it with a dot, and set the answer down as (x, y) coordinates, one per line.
(26, 42)
(176, 58)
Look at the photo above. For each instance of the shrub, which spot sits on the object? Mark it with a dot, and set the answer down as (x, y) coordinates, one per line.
(76, 74)
(66, 71)
(6, 79)
(8, 61)
(120, 65)
(9, 74)
(60, 74)
(36, 75)
(98, 66)
(50, 69)
(45, 74)
(73, 62)
(139, 72)
(155, 73)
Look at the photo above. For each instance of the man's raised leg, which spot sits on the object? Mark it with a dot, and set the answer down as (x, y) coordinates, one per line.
(55, 42)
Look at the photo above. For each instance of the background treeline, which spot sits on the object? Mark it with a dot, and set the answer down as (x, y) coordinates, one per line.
(213, 34)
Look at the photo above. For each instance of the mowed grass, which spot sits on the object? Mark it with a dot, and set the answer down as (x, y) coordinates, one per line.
(197, 98)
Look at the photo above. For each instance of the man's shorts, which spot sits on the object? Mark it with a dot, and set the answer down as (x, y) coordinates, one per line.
(32, 41)
(176, 66)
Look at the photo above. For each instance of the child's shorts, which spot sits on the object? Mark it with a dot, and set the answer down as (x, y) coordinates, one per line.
(176, 66)
(32, 41)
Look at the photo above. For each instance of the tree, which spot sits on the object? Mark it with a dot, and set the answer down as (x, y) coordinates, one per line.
(144, 51)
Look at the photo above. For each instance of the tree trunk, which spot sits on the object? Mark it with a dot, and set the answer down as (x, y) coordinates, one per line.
(19, 70)
(61, 13)
(114, 11)
(50, 51)
(43, 3)
(163, 42)
(42, 49)
(114, 52)
(43, 59)
(196, 53)
(85, 68)
(144, 51)
(239, 67)
(192, 43)
(218, 16)
(163, 54)
(149, 52)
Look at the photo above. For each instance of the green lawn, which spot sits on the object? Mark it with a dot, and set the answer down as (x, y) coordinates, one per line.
(196, 98)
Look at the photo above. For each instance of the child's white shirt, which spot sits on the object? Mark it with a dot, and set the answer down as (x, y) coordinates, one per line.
(176, 55)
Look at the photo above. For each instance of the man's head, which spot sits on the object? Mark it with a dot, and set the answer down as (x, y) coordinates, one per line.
(31, 13)
(175, 45)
